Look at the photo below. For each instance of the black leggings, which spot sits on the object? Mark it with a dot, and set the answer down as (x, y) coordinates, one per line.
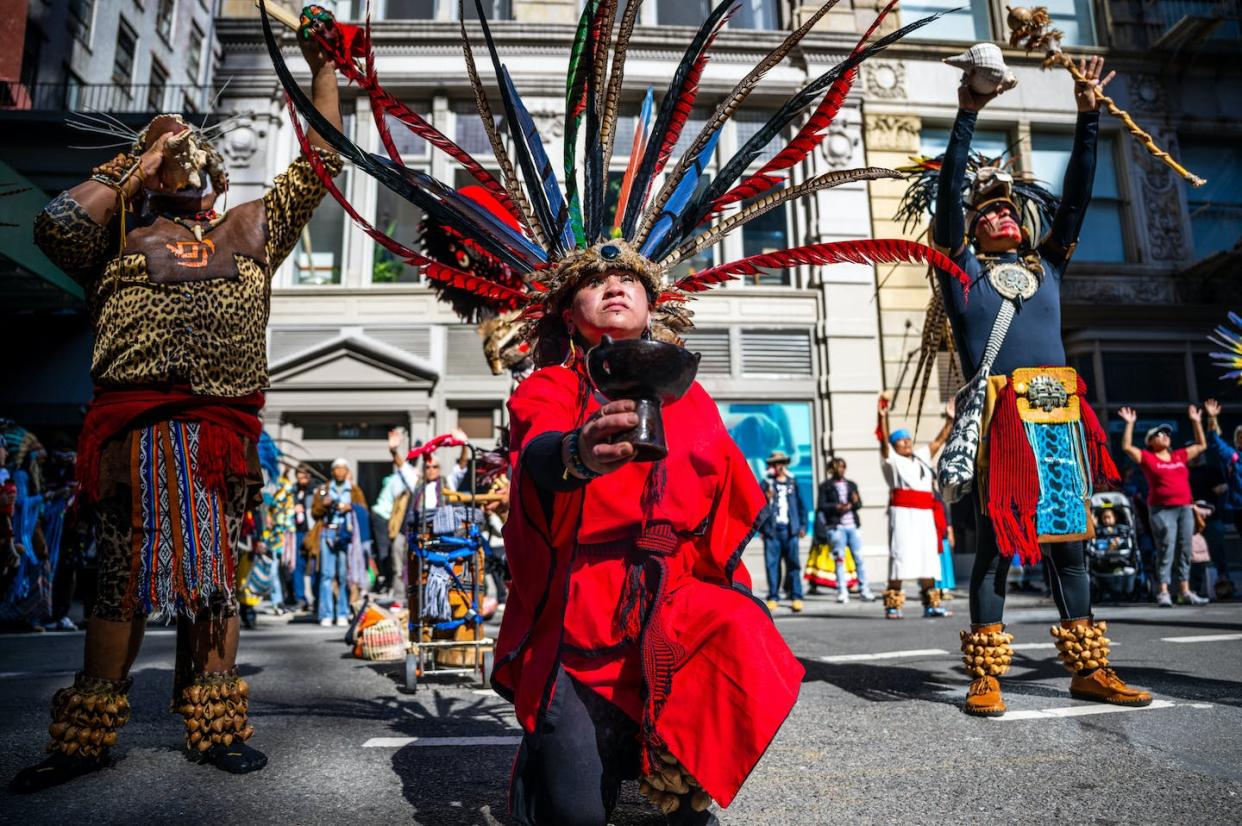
(1067, 574)
(569, 772)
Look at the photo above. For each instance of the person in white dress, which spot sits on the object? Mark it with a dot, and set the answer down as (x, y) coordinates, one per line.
(915, 514)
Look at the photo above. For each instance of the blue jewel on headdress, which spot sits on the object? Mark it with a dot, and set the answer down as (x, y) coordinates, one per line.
(610, 252)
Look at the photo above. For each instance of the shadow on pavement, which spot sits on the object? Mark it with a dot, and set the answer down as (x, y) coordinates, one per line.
(1174, 621)
(880, 683)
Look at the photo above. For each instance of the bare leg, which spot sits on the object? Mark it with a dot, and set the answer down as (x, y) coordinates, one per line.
(215, 644)
(112, 647)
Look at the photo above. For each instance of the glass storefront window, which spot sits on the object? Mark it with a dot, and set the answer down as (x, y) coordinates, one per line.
(318, 254)
(760, 428)
(1074, 19)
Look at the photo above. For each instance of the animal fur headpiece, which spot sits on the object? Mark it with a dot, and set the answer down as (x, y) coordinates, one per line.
(545, 233)
(990, 182)
(187, 148)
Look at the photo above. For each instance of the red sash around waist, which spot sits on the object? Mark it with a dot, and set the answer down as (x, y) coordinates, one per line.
(921, 500)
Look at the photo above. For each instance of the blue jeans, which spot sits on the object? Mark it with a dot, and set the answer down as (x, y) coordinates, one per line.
(333, 559)
(299, 568)
(843, 538)
(782, 544)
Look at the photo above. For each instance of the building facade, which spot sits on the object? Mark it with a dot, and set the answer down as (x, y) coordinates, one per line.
(1157, 263)
(358, 344)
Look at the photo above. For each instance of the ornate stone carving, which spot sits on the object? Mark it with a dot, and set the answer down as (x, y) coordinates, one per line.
(837, 149)
(551, 123)
(1146, 93)
(895, 133)
(885, 79)
(242, 141)
(1166, 234)
(1097, 289)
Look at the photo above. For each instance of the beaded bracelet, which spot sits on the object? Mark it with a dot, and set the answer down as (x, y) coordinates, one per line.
(575, 465)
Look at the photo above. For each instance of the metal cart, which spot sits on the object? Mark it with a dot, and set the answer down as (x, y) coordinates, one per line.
(453, 645)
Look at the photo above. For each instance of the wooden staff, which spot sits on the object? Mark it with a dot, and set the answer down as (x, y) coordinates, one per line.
(280, 14)
(458, 497)
(1031, 29)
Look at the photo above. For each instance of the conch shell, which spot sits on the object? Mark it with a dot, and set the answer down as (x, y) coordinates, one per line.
(184, 151)
(985, 69)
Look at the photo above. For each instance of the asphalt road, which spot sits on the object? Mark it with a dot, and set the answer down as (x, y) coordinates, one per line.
(872, 740)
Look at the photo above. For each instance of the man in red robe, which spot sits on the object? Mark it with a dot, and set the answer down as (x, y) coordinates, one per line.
(631, 643)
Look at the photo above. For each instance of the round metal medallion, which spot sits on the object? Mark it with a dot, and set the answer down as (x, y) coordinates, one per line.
(1013, 281)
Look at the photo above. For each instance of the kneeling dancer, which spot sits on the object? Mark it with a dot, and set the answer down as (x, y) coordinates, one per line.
(1043, 449)
(631, 638)
(167, 459)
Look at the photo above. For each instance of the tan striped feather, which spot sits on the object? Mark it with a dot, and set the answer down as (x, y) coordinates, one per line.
(725, 111)
(767, 203)
(507, 172)
(612, 100)
(935, 329)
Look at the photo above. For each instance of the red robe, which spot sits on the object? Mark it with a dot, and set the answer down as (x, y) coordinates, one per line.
(642, 568)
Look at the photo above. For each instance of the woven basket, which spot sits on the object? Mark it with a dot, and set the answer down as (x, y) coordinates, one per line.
(383, 642)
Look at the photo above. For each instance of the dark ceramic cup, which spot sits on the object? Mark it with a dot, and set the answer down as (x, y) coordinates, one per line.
(652, 373)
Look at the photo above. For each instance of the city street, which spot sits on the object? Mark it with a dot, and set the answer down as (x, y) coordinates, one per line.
(876, 737)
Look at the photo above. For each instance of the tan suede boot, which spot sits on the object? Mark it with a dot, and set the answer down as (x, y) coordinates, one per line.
(1084, 652)
(986, 653)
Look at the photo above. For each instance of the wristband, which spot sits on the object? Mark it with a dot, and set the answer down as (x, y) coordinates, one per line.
(575, 464)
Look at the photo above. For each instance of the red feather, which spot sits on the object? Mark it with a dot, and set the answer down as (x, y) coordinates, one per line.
(863, 251)
(809, 136)
(383, 103)
(686, 97)
(505, 298)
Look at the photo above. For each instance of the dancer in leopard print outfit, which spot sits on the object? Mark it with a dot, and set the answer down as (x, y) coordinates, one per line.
(179, 298)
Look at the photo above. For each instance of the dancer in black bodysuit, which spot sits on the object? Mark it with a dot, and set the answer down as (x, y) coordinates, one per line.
(1038, 418)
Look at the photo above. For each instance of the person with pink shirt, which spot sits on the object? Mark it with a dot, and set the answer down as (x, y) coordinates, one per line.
(1169, 499)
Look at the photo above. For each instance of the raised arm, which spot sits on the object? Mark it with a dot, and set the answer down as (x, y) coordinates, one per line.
(881, 428)
(1080, 171)
(297, 191)
(1128, 416)
(75, 229)
(1196, 426)
(1221, 449)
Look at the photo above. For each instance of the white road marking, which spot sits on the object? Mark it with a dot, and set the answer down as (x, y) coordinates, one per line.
(1204, 638)
(886, 655)
(430, 742)
(486, 692)
(1033, 646)
(1087, 710)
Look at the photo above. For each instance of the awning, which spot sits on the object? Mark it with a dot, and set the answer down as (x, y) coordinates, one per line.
(17, 242)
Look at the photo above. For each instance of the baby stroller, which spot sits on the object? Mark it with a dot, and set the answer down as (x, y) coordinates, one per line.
(1113, 559)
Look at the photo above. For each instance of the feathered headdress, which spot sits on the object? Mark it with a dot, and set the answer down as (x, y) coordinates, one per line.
(528, 255)
(988, 181)
(1231, 339)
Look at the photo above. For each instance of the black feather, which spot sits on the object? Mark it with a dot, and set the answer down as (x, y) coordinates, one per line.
(534, 180)
(642, 179)
(795, 105)
(382, 169)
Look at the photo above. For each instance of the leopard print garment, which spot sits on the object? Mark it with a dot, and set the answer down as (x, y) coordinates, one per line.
(79, 242)
(207, 334)
(114, 549)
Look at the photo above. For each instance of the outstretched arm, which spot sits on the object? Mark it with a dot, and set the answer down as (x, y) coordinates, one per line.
(1196, 426)
(1080, 171)
(882, 425)
(1128, 415)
